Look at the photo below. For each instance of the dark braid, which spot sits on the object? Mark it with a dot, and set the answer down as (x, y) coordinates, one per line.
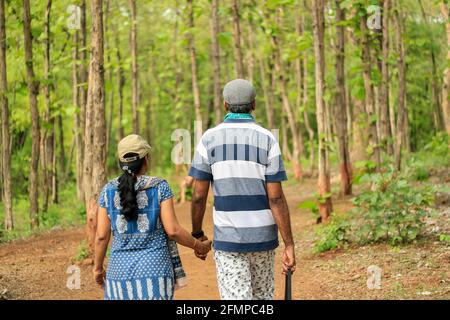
(127, 191)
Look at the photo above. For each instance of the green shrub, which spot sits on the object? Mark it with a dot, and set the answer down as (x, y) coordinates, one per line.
(82, 251)
(393, 210)
(334, 234)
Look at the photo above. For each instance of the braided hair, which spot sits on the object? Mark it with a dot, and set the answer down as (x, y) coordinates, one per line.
(127, 181)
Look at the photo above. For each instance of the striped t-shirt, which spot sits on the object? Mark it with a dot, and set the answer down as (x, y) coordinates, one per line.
(239, 157)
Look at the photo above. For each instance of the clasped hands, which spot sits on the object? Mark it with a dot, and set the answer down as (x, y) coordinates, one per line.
(202, 247)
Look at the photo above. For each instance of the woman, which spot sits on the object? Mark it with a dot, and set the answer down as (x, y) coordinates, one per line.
(138, 209)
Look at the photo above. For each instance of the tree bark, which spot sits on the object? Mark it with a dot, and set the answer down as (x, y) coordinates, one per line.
(324, 188)
(108, 48)
(134, 68)
(193, 59)
(369, 100)
(437, 117)
(96, 106)
(268, 95)
(49, 132)
(340, 104)
(215, 25)
(120, 81)
(6, 136)
(238, 57)
(385, 127)
(33, 91)
(401, 103)
(292, 121)
(446, 80)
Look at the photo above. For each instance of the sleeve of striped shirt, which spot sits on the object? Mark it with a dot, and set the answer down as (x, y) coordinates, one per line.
(201, 167)
(275, 171)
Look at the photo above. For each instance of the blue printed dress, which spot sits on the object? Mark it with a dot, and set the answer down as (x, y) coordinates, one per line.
(143, 263)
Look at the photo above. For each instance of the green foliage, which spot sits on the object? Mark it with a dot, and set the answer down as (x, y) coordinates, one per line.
(82, 251)
(310, 205)
(445, 238)
(392, 210)
(335, 234)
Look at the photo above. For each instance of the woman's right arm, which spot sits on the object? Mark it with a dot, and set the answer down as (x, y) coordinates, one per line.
(176, 232)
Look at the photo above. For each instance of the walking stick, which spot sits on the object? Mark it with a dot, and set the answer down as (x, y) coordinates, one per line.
(288, 286)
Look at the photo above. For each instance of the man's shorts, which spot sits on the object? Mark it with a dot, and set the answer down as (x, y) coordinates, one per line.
(245, 275)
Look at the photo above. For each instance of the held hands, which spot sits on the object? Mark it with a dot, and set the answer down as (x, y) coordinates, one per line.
(201, 247)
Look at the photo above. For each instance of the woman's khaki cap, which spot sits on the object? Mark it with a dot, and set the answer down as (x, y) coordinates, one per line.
(132, 144)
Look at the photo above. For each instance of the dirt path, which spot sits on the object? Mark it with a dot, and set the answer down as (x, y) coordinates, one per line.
(35, 268)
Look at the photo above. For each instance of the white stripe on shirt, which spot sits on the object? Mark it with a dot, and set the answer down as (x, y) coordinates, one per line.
(238, 169)
(243, 219)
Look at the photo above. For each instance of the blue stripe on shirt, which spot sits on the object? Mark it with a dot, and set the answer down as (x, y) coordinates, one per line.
(200, 175)
(241, 203)
(245, 247)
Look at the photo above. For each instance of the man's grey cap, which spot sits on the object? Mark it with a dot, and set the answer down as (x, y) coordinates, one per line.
(239, 92)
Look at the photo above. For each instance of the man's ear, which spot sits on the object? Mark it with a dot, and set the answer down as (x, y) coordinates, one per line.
(254, 105)
(225, 105)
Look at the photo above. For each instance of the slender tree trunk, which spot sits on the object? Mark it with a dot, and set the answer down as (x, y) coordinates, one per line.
(6, 136)
(251, 52)
(215, 25)
(238, 56)
(446, 82)
(325, 205)
(49, 132)
(340, 104)
(77, 117)
(305, 101)
(96, 111)
(268, 95)
(134, 68)
(385, 128)
(120, 81)
(296, 143)
(369, 95)
(55, 176)
(62, 153)
(438, 121)
(193, 59)
(108, 48)
(33, 91)
(401, 103)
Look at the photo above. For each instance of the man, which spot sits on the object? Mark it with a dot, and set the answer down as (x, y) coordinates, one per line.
(243, 163)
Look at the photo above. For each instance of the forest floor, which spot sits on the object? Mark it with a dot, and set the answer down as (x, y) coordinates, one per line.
(36, 267)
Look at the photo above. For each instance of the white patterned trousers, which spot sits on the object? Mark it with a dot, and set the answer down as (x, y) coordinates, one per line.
(245, 275)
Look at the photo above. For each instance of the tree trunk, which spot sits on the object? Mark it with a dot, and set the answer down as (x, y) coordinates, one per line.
(437, 117)
(6, 136)
(292, 121)
(33, 91)
(340, 104)
(110, 77)
(215, 25)
(238, 57)
(134, 68)
(446, 81)
(193, 58)
(77, 117)
(385, 127)
(62, 153)
(324, 188)
(268, 95)
(96, 148)
(369, 95)
(49, 131)
(120, 81)
(401, 103)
